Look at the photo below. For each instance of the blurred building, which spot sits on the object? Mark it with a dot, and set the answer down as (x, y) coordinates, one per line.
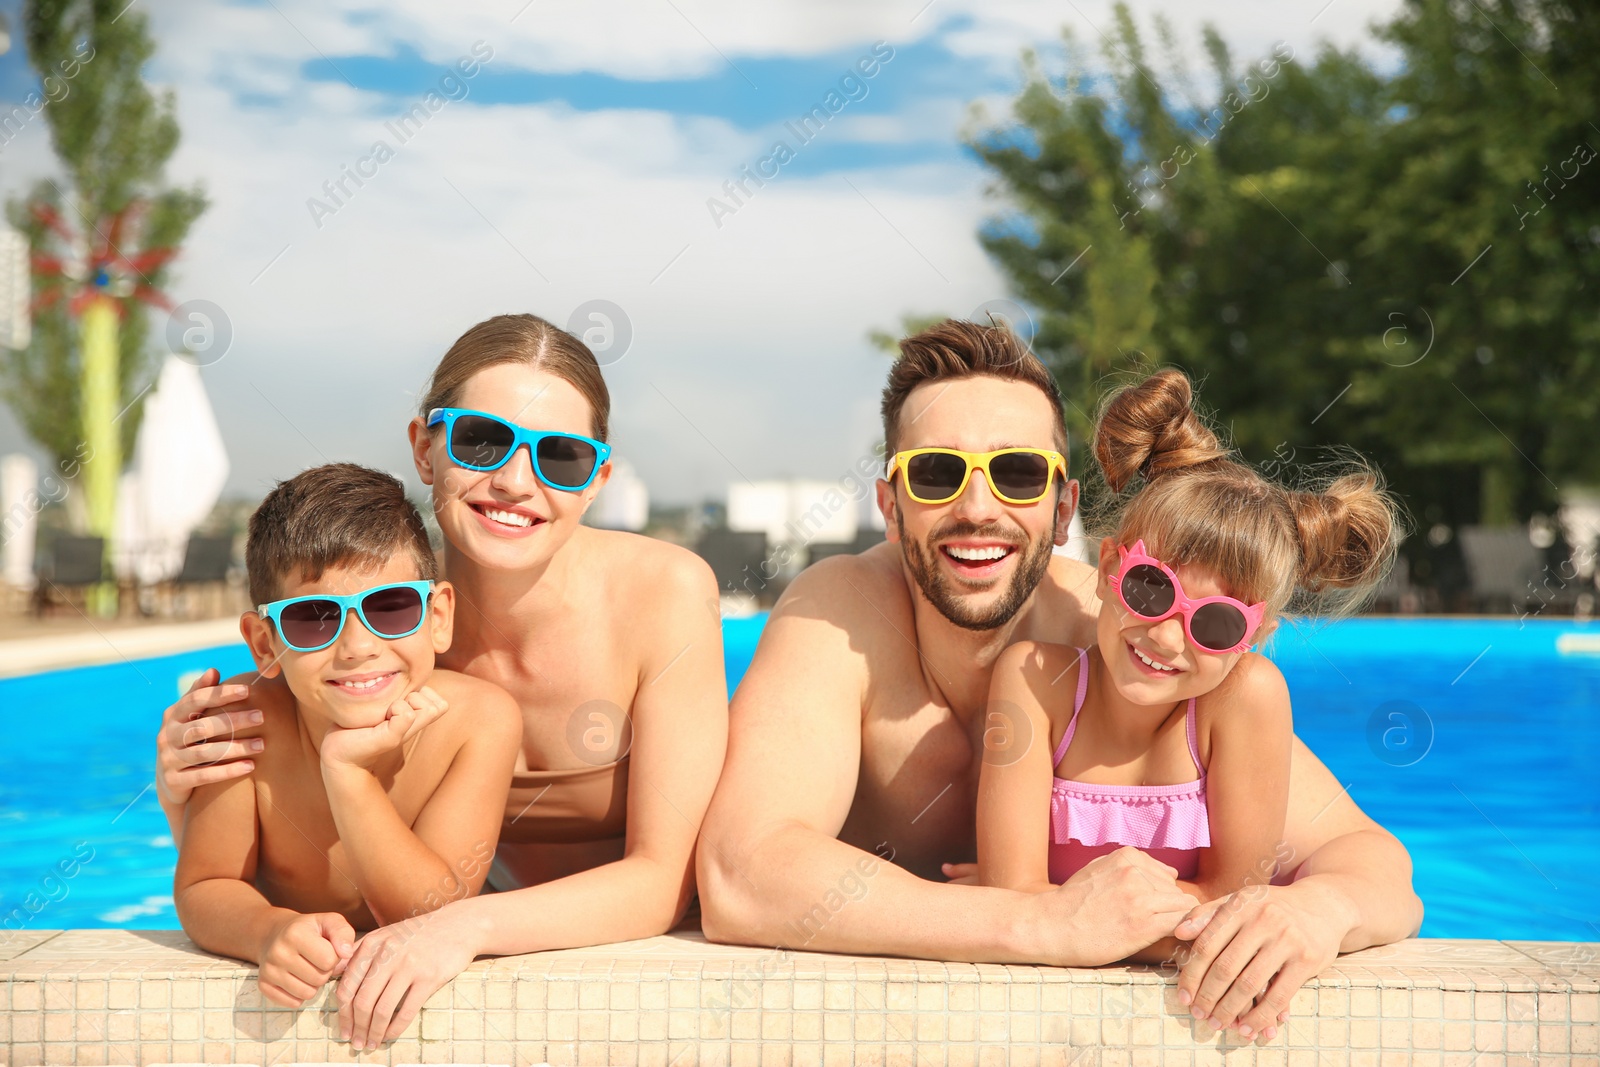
(624, 502)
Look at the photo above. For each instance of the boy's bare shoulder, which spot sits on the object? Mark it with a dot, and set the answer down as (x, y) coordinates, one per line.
(476, 705)
(272, 698)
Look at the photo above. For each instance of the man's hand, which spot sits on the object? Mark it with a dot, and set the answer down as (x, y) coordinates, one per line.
(395, 970)
(301, 954)
(361, 747)
(1117, 905)
(1255, 947)
(195, 745)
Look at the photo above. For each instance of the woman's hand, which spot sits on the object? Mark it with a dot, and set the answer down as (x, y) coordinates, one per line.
(395, 970)
(1255, 947)
(361, 747)
(195, 745)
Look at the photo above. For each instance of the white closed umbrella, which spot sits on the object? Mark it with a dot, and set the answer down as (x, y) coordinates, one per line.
(178, 472)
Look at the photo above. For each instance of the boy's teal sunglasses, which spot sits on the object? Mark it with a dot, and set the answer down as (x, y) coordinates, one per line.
(312, 623)
(480, 441)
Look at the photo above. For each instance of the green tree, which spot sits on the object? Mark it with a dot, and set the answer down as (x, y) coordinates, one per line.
(113, 137)
(1298, 240)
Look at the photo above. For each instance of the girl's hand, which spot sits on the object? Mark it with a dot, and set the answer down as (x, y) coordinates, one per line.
(395, 970)
(1275, 939)
(960, 873)
(301, 954)
(362, 746)
(195, 745)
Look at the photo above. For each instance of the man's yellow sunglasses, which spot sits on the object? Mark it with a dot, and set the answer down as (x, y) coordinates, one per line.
(940, 475)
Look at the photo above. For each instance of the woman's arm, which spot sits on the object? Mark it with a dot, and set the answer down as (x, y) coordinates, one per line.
(680, 716)
(1014, 780)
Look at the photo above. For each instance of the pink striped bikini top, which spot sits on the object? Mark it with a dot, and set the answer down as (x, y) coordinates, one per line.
(1087, 820)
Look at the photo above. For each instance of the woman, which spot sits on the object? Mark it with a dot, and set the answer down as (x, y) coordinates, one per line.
(610, 642)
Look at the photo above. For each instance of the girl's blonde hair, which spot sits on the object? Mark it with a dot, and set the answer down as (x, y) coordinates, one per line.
(1323, 551)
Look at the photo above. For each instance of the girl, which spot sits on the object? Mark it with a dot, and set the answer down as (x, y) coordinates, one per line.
(1204, 557)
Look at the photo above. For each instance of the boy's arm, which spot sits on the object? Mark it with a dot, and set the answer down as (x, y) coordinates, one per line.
(407, 870)
(219, 906)
(1015, 778)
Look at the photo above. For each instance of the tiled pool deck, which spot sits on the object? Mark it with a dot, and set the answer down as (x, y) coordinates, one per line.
(129, 996)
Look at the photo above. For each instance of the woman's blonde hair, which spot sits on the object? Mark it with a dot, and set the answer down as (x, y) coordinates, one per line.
(1322, 551)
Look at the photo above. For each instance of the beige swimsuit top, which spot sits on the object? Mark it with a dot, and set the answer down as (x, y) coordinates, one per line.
(557, 807)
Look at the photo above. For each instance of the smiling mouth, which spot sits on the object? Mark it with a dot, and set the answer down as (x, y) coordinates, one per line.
(1152, 664)
(363, 685)
(513, 519)
(976, 557)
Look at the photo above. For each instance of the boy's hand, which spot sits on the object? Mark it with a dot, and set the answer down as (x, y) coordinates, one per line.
(361, 747)
(302, 954)
(195, 745)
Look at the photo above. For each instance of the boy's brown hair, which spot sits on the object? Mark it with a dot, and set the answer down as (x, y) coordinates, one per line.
(955, 349)
(336, 515)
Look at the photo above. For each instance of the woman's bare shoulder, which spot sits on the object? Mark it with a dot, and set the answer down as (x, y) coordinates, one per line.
(648, 564)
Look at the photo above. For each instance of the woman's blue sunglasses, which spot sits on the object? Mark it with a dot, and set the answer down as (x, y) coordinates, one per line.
(312, 623)
(479, 441)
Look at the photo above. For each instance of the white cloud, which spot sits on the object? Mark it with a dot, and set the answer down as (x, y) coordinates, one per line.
(749, 356)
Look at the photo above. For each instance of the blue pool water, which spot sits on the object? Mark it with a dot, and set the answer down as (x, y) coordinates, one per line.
(1477, 742)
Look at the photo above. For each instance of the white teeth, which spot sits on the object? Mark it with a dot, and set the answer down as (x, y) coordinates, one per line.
(1150, 662)
(508, 518)
(977, 554)
(370, 683)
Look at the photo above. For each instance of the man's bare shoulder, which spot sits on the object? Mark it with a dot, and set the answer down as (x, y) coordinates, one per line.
(860, 593)
(1065, 605)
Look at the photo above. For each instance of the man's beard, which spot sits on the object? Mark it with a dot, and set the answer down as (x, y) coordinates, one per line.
(936, 587)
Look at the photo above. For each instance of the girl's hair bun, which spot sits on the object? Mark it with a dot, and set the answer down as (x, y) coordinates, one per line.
(1349, 533)
(1152, 429)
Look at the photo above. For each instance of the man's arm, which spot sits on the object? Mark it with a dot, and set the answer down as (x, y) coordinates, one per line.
(1349, 857)
(1352, 891)
(772, 869)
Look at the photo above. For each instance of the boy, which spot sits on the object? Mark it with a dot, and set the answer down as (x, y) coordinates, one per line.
(369, 801)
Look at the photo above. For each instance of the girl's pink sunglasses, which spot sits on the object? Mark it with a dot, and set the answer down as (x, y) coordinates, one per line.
(1148, 588)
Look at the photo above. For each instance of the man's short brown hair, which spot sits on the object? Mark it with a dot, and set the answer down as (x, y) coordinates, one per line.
(955, 349)
(337, 515)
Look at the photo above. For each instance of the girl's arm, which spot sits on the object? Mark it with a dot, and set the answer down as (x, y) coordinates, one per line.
(1247, 780)
(1014, 781)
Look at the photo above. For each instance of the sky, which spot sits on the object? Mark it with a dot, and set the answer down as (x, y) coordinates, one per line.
(585, 159)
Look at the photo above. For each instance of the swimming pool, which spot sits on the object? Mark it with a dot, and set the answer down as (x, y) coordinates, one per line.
(1476, 741)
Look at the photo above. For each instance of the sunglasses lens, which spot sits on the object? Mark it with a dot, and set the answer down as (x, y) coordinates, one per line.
(566, 462)
(1147, 591)
(479, 442)
(935, 476)
(1218, 626)
(310, 624)
(1020, 475)
(392, 612)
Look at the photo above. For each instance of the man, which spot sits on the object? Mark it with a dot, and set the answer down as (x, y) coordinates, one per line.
(860, 727)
